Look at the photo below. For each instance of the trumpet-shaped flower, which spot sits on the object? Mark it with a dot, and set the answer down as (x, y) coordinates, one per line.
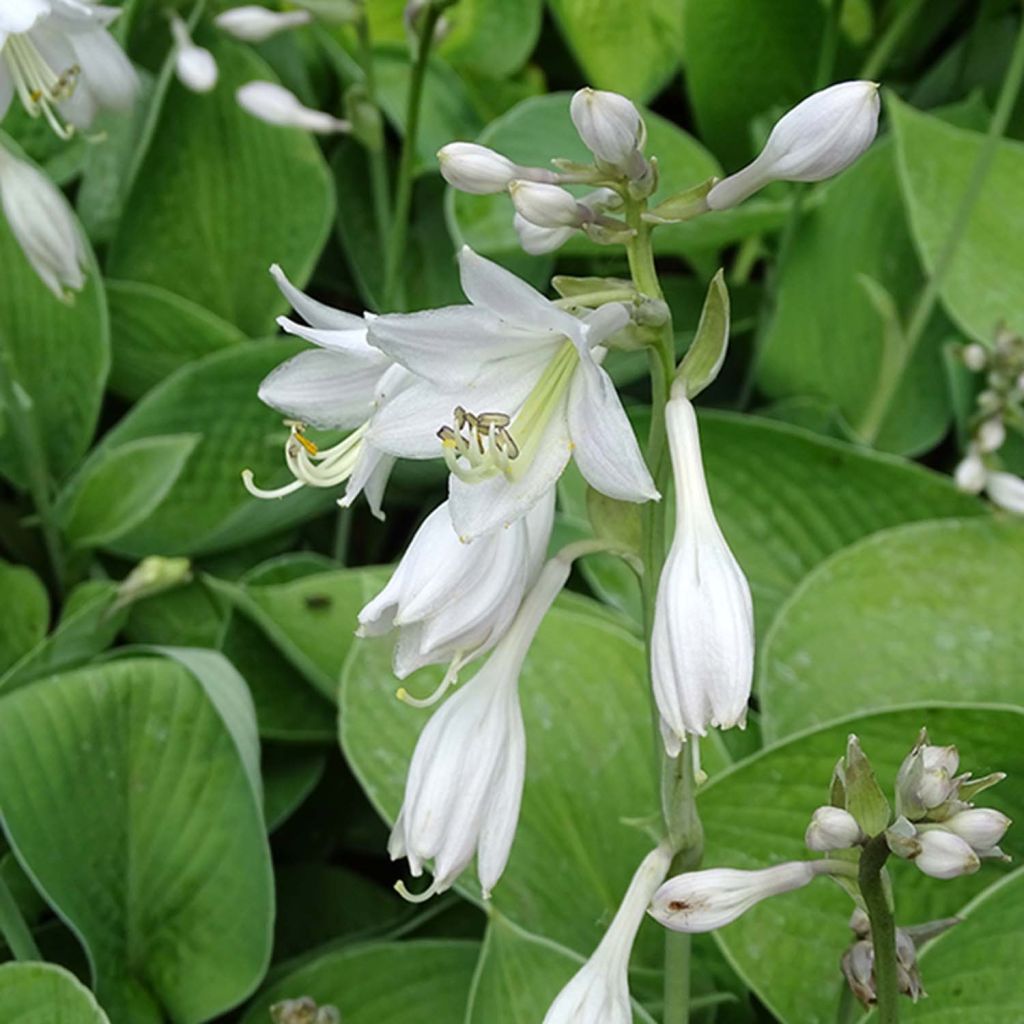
(274, 104)
(599, 991)
(702, 646)
(338, 386)
(254, 24)
(515, 385)
(452, 602)
(817, 139)
(42, 222)
(64, 65)
(465, 783)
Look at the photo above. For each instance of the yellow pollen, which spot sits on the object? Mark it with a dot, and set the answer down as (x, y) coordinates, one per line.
(306, 443)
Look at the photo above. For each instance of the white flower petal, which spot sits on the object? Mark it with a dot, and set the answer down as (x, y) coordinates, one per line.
(316, 314)
(105, 69)
(18, 16)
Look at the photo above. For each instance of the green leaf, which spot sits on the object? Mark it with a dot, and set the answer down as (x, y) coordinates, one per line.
(980, 288)
(150, 783)
(186, 615)
(220, 196)
(745, 58)
(972, 973)
(153, 332)
(24, 613)
(908, 614)
(290, 774)
(632, 48)
(58, 354)
(788, 948)
(826, 339)
(208, 509)
(32, 993)
(706, 354)
(421, 982)
(118, 491)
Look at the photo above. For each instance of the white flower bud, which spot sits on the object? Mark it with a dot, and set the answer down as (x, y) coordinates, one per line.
(944, 855)
(982, 828)
(274, 104)
(970, 474)
(195, 67)
(43, 225)
(702, 901)
(611, 127)
(475, 169)
(537, 240)
(991, 435)
(1007, 491)
(702, 645)
(254, 24)
(832, 828)
(975, 357)
(547, 206)
(817, 139)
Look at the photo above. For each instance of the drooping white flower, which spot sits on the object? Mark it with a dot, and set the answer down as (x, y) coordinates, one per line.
(254, 24)
(537, 240)
(611, 128)
(945, 855)
(982, 828)
(274, 104)
(701, 901)
(43, 224)
(452, 602)
(531, 371)
(194, 65)
(599, 991)
(702, 645)
(62, 63)
(338, 386)
(817, 139)
(480, 171)
(465, 782)
(832, 828)
(1006, 490)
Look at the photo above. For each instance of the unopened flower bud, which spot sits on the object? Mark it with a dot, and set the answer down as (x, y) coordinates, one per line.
(274, 104)
(832, 828)
(970, 474)
(926, 779)
(701, 901)
(982, 828)
(547, 206)
(195, 67)
(303, 1010)
(908, 975)
(537, 240)
(254, 24)
(1006, 491)
(858, 966)
(944, 855)
(975, 357)
(817, 139)
(611, 127)
(476, 169)
(991, 435)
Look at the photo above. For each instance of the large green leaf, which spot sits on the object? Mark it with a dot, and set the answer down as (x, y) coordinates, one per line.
(208, 509)
(632, 48)
(24, 613)
(58, 354)
(980, 288)
(914, 613)
(149, 781)
(743, 58)
(828, 340)
(422, 982)
(153, 332)
(32, 993)
(220, 196)
(290, 774)
(788, 948)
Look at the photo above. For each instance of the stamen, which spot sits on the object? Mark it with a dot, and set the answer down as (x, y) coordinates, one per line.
(413, 897)
(451, 677)
(39, 87)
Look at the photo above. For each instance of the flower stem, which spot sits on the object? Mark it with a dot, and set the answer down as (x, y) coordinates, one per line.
(403, 187)
(883, 927)
(879, 56)
(375, 154)
(13, 927)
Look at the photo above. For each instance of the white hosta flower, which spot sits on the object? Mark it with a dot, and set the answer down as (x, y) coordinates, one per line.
(62, 63)
(817, 139)
(702, 645)
(611, 128)
(1006, 491)
(832, 828)
(254, 24)
(537, 240)
(43, 224)
(547, 206)
(452, 602)
(599, 991)
(194, 65)
(337, 386)
(982, 828)
(702, 901)
(274, 104)
(945, 855)
(971, 474)
(480, 171)
(515, 385)
(465, 781)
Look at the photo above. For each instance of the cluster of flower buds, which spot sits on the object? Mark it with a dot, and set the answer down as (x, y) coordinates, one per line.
(999, 405)
(303, 1010)
(937, 827)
